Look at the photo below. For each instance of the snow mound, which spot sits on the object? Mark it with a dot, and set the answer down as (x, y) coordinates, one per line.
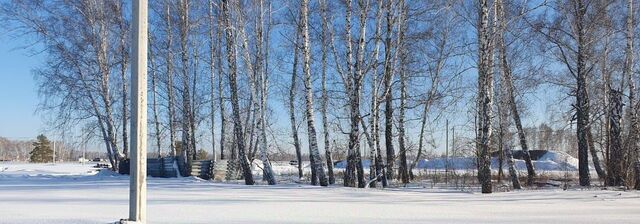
(107, 173)
(560, 158)
(39, 169)
(555, 161)
(550, 161)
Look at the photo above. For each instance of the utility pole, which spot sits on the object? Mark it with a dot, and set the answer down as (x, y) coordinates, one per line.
(453, 141)
(54, 153)
(446, 162)
(138, 162)
(84, 152)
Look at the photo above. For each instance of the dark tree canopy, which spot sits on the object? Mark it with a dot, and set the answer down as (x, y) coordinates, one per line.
(42, 151)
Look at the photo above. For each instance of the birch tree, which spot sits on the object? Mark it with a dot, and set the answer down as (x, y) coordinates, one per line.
(403, 168)
(634, 135)
(615, 163)
(184, 27)
(292, 97)
(263, 89)
(221, 95)
(507, 82)
(388, 93)
(506, 99)
(355, 82)
(233, 73)
(484, 97)
(582, 98)
(443, 45)
(374, 119)
(124, 63)
(212, 70)
(633, 151)
(170, 86)
(571, 34)
(325, 96)
(154, 95)
(77, 77)
(306, 67)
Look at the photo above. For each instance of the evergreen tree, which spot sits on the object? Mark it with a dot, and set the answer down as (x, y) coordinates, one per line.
(42, 152)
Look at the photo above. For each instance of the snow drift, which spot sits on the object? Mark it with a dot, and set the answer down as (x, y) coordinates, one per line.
(550, 161)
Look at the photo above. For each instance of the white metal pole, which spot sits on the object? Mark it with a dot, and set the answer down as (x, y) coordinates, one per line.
(138, 155)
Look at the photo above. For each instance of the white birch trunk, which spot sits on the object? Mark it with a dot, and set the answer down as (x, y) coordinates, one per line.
(484, 98)
(233, 73)
(325, 96)
(170, 86)
(306, 53)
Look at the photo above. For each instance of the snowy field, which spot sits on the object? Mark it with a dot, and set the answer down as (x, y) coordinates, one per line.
(74, 193)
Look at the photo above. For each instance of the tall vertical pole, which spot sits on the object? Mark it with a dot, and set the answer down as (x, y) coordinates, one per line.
(84, 152)
(446, 162)
(453, 141)
(53, 156)
(138, 164)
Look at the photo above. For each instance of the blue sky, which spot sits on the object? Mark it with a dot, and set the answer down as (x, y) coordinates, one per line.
(18, 95)
(19, 99)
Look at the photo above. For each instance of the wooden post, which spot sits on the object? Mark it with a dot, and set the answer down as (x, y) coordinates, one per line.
(138, 155)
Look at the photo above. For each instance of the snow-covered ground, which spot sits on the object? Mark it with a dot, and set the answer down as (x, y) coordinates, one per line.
(550, 161)
(74, 193)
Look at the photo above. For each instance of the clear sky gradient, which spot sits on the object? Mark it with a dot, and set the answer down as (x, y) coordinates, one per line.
(18, 93)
